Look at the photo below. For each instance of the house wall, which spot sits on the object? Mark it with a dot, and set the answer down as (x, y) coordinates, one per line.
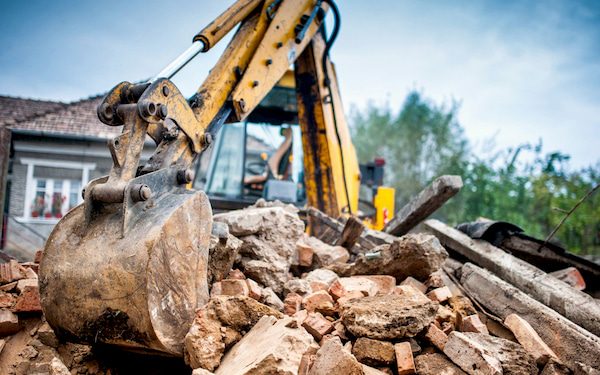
(26, 234)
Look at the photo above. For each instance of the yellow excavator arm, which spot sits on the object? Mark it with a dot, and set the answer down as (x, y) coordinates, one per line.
(133, 257)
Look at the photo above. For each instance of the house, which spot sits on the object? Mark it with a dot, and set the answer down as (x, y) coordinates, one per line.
(48, 151)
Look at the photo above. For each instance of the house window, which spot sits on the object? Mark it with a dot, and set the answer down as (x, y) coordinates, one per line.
(53, 188)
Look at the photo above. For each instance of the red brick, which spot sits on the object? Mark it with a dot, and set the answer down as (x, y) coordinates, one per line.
(404, 359)
(440, 294)
(234, 287)
(11, 271)
(292, 303)
(28, 300)
(436, 336)
(472, 323)
(216, 289)
(305, 254)
(319, 301)
(254, 290)
(7, 300)
(529, 339)
(316, 324)
(411, 281)
(571, 276)
(345, 285)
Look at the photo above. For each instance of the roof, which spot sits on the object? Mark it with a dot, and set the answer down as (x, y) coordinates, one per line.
(55, 118)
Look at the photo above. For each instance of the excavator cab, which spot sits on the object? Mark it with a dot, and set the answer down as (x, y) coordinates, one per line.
(261, 157)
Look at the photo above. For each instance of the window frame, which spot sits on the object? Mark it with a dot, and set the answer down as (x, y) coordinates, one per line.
(31, 184)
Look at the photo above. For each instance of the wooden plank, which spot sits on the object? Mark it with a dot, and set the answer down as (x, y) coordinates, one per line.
(351, 233)
(329, 230)
(570, 342)
(424, 204)
(569, 302)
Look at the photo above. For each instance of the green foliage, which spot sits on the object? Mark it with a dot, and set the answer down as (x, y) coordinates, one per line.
(520, 185)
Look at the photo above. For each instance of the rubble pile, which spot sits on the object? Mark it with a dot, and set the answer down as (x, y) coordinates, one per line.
(284, 302)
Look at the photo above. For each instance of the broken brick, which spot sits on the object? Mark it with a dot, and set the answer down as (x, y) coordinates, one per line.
(316, 324)
(292, 303)
(436, 336)
(472, 323)
(9, 323)
(440, 294)
(529, 338)
(254, 290)
(319, 301)
(404, 359)
(411, 281)
(28, 300)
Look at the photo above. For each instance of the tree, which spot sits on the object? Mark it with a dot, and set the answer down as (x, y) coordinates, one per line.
(534, 191)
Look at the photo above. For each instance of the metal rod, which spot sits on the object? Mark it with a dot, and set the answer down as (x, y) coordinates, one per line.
(170, 70)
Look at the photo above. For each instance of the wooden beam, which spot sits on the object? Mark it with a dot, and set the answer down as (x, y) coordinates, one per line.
(570, 342)
(351, 233)
(424, 204)
(569, 302)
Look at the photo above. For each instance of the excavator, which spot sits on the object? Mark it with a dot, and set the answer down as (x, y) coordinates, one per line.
(128, 267)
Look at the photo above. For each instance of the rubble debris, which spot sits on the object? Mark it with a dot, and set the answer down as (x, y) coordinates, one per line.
(28, 300)
(322, 275)
(472, 323)
(416, 255)
(271, 299)
(332, 359)
(424, 204)
(440, 294)
(9, 323)
(58, 368)
(11, 271)
(575, 305)
(478, 353)
(222, 253)
(270, 347)
(316, 324)
(269, 236)
(350, 235)
(323, 254)
(555, 368)
(292, 303)
(569, 342)
(436, 336)
(373, 352)
(571, 276)
(405, 363)
(204, 344)
(319, 301)
(387, 317)
(436, 364)
(529, 338)
(298, 286)
(411, 281)
(345, 285)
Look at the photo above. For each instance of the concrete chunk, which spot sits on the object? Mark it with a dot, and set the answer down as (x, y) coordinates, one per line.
(436, 364)
(387, 317)
(416, 255)
(478, 353)
(373, 352)
(9, 323)
(270, 347)
(332, 359)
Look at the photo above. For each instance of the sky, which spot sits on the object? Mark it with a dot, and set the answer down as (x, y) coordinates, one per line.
(521, 70)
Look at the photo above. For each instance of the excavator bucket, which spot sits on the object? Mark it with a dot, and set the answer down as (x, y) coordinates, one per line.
(132, 276)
